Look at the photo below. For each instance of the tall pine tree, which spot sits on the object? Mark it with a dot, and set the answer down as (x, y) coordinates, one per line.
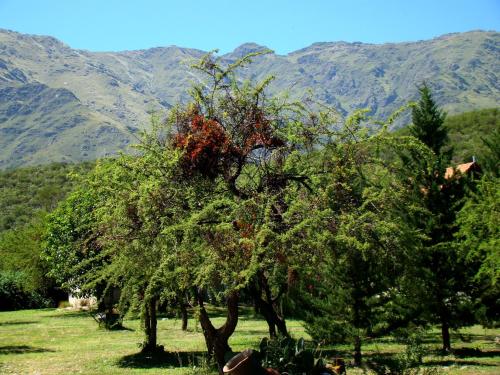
(428, 121)
(446, 287)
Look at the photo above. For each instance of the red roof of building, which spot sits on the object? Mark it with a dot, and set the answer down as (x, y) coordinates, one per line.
(462, 168)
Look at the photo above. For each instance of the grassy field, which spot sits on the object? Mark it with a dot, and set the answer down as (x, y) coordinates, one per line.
(54, 341)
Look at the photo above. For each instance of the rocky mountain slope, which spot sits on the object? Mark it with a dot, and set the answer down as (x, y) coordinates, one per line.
(58, 103)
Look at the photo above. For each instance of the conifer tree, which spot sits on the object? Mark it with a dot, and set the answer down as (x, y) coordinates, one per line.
(445, 292)
(428, 121)
(362, 238)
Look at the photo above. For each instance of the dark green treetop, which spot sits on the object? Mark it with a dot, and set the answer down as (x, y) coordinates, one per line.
(428, 121)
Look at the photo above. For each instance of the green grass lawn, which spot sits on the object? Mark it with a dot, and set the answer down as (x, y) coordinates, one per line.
(52, 341)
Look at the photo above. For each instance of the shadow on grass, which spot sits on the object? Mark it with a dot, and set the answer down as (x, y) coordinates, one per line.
(475, 353)
(390, 364)
(118, 328)
(17, 322)
(71, 314)
(162, 359)
(435, 337)
(335, 353)
(459, 362)
(467, 353)
(383, 363)
(23, 349)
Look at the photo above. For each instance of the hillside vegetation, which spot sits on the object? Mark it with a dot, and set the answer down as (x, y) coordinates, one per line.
(467, 131)
(39, 125)
(25, 192)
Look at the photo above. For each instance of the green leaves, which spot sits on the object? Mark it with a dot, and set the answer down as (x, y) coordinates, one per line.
(479, 232)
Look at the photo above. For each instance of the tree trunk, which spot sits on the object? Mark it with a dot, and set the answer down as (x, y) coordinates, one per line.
(268, 307)
(217, 339)
(281, 324)
(268, 317)
(445, 333)
(357, 351)
(184, 316)
(272, 318)
(150, 326)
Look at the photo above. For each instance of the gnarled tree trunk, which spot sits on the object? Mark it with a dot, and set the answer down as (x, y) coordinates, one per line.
(217, 338)
(268, 307)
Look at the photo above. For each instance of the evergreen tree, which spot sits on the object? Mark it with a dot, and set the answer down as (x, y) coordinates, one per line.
(358, 227)
(428, 121)
(445, 281)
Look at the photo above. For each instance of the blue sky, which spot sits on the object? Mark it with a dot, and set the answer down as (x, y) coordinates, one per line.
(284, 26)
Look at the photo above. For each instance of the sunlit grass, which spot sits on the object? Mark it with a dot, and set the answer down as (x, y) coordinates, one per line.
(54, 341)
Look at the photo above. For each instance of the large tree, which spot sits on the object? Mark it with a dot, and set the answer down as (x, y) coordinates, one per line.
(241, 143)
(195, 212)
(106, 233)
(445, 280)
(361, 228)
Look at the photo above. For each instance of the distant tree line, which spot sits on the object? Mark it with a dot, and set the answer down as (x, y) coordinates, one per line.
(27, 195)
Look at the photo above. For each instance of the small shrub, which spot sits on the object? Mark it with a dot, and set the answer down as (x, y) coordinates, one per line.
(414, 351)
(409, 361)
(325, 330)
(205, 367)
(289, 356)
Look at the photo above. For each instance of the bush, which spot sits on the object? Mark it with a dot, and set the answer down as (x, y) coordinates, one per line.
(414, 351)
(204, 367)
(289, 356)
(325, 330)
(14, 295)
(409, 361)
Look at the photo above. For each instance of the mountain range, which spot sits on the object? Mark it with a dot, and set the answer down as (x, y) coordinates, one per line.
(63, 104)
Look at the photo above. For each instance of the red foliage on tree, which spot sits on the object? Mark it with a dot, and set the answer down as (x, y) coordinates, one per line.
(205, 144)
(246, 229)
(210, 150)
(257, 133)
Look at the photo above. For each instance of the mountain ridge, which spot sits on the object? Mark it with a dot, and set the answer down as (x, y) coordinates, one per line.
(121, 89)
(437, 37)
